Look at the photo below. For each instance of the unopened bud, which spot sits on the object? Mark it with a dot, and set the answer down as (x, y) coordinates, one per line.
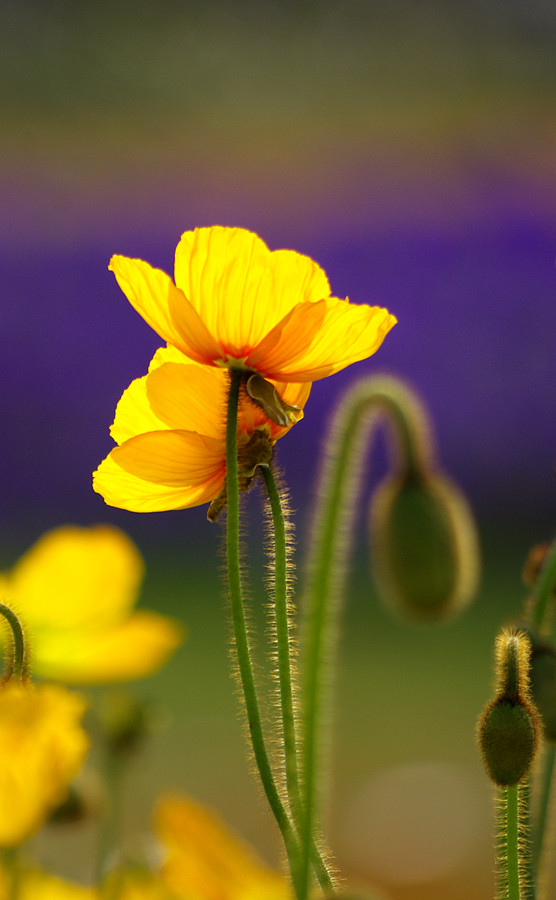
(509, 726)
(424, 545)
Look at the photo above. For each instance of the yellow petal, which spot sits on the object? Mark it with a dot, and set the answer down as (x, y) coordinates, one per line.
(240, 288)
(127, 490)
(42, 747)
(136, 648)
(189, 398)
(35, 885)
(134, 414)
(206, 859)
(315, 340)
(153, 294)
(77, 576)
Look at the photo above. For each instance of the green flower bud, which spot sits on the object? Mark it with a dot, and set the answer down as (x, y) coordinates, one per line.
(509, 726)
(424, 545)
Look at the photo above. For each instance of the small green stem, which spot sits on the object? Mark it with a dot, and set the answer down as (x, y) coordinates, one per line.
(543, 589)
(241, 637)
(539, 831)
(510, 799)
(18, 665)
(514, 875)
(109, 833)
(283, 640)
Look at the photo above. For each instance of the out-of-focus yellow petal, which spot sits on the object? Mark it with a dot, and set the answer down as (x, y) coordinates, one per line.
(35, 885)
(139, 885)
(126, 490)
(189, 398)
(136, 648)
(239, 288)
(207, 861)
(42, 747)
(318, 339)
(77, 576)
(153, 294)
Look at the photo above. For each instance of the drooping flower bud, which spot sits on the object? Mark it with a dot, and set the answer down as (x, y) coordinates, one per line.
(509, 727)
(424, 545)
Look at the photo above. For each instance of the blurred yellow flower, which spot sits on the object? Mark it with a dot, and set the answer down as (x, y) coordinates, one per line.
(74, 591)
(33, 884)
(42, 747)
(205, 860)
(172, 438)
(236, 303)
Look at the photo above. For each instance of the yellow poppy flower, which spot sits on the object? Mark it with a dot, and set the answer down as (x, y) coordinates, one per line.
(205, 860)
(75, 590)
(172, 440)
(236, 303)
(42, 747)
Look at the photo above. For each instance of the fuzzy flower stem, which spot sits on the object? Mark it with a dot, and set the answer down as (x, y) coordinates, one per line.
(327, 564)
(543, 588)
(17, 659)
(285, 664)
(241, 637)
(510, 799)
(329, 553)
(513, 858)
(283, 639)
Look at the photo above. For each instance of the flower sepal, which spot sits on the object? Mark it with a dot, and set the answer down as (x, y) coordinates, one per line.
(265, 395)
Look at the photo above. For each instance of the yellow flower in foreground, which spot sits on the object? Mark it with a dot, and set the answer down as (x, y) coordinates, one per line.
(42, 747)
(171, 429)
(236, 303)
(75, 590)
(207, 861)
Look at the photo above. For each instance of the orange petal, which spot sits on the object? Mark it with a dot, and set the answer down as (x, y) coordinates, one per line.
(318, 339)
(154, 295)
(240, 288)
(189, 398)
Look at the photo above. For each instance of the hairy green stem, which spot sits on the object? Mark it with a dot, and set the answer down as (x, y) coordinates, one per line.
(329, 553)
(283, 640)
(17, 660)
(514, 876)
(511, 827)
(241, 637)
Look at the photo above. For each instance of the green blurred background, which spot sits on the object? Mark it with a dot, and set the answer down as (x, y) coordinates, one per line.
(409, 148)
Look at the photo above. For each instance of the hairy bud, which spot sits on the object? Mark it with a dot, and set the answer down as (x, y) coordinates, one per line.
(509, 726)
(424, 545)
